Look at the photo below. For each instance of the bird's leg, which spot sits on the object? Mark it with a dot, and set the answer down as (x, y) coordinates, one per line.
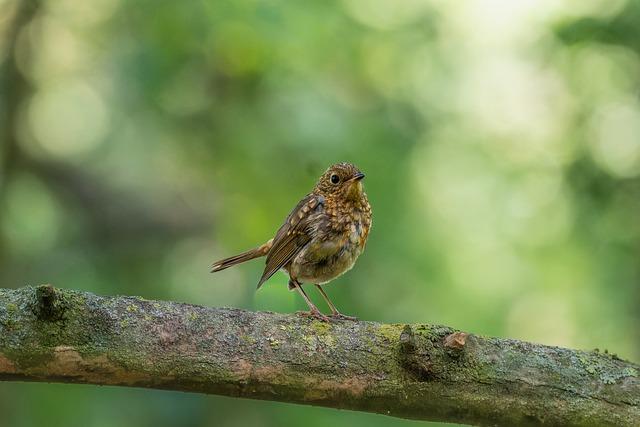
(313, 310)
(334, 311)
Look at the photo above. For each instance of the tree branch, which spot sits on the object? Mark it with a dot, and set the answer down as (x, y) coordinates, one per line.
(412, 371)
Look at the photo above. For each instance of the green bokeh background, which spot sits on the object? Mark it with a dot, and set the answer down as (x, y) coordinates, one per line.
(142, 139)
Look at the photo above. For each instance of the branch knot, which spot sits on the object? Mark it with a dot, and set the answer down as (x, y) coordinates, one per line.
(49, 304)
(455, 342)
(414, 361)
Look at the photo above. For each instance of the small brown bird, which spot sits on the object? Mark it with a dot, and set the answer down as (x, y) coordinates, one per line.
(321, 238)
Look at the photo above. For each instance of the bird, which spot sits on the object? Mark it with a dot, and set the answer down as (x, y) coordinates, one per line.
(320, 239)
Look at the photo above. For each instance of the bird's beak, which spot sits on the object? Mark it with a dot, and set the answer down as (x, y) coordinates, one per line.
(357, 177)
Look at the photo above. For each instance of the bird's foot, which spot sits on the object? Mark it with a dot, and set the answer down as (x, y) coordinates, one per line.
(315, 314)
(340, 316)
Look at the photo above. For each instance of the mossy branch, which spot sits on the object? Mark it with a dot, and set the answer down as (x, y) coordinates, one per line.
(412, 371)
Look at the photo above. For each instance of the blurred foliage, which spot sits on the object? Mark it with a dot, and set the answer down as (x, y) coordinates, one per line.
(143, 139)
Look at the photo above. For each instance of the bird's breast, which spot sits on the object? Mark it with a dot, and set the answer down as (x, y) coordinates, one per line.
(333, 251)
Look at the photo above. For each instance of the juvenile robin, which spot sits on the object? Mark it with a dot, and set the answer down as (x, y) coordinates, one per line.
(321, 238)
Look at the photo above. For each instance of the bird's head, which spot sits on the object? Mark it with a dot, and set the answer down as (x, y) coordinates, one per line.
(341, 180)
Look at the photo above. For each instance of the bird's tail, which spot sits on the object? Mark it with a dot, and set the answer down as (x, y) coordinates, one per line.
(244, 256)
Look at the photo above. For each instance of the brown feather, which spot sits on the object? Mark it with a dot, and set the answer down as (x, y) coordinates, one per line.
(292, 236)
(244, 256)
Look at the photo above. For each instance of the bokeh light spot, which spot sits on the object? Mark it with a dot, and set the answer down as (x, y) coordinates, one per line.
(615, 139)
(68, 119)
(385, 15)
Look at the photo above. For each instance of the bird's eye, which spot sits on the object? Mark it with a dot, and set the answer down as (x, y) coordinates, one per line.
(335, 179)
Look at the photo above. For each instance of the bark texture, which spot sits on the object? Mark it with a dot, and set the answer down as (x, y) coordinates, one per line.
(413, 371)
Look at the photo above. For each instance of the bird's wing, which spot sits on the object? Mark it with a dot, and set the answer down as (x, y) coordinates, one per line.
(293, 235)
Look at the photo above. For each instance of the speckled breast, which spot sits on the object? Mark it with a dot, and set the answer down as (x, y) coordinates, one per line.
(330, 255)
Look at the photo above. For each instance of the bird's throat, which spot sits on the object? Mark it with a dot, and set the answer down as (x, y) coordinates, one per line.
(355, 191)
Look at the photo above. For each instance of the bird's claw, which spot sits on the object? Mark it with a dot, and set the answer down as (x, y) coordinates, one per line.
(340, 316)
(315, 314)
